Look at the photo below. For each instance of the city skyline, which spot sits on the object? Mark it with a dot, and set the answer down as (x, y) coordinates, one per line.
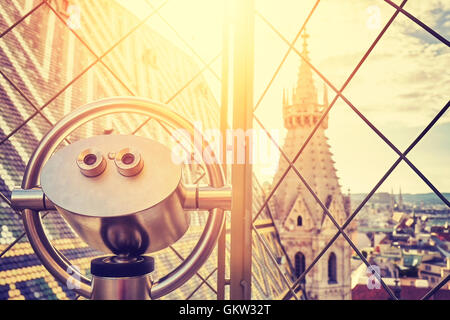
(382, 89)
(283, 226)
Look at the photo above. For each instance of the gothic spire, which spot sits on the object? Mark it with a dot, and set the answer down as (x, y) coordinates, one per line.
(305, 93)
(305, 45)
(400, 198)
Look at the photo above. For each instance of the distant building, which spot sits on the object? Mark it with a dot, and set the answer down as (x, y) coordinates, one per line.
(403, 288)
(382, 197)
(435, 270)
(302, 224)
(442, 232)
(400, 200)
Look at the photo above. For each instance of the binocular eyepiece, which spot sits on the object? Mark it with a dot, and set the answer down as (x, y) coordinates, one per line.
(92, 162)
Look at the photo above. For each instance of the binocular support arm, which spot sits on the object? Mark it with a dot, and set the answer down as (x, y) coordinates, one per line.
(193, 198)
(206, 197)
(33, 199)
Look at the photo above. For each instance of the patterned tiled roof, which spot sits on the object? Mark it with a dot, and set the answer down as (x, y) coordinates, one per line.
(41, 57)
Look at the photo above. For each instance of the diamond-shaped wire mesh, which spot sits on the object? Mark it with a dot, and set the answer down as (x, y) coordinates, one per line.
(116, 86)
(320, 121)
(96, 63)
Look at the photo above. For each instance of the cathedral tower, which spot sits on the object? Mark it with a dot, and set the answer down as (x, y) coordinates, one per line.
(303, 226)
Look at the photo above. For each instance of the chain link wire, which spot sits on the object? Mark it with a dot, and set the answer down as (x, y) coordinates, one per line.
(292, 287)
(373, 127)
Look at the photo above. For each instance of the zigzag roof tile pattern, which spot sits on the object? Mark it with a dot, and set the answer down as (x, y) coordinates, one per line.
(41, 57)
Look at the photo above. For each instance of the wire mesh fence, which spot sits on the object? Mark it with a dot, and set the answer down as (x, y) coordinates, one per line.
(100, 55)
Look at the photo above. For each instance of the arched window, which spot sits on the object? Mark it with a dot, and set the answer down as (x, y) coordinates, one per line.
(332, 273)
(299, 265)
(299, 221)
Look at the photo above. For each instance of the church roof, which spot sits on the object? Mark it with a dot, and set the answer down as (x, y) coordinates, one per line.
(41, 56)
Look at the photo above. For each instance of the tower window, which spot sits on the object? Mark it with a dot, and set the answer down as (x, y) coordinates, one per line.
(299, 221)
(299, 265)
(328, 201)
(332, 274)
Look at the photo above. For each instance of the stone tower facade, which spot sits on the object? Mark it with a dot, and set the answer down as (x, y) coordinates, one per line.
(303, 227)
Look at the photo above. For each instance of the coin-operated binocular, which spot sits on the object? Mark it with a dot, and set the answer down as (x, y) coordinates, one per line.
(123, 195)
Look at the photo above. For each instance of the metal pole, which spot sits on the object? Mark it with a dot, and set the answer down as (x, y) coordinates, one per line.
(221, 246)
(241, 175)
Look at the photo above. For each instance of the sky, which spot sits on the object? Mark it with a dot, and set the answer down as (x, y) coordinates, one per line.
(400, 88)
